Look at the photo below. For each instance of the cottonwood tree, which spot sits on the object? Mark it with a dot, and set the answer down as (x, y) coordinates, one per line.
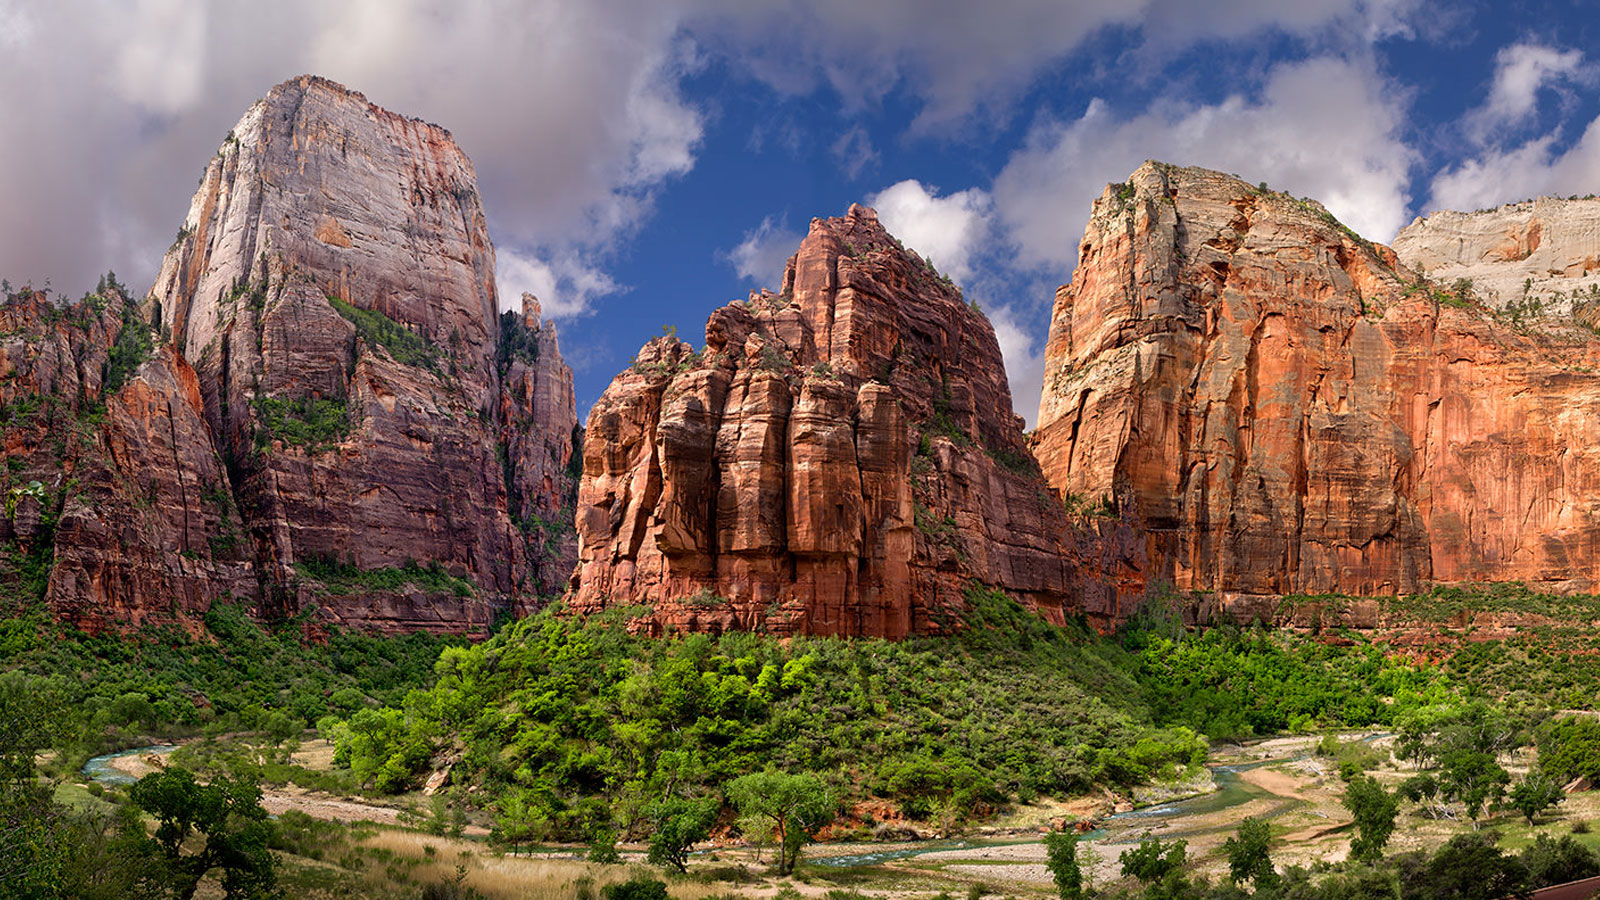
(1249, 854)
(789, 807)
(1374, 809)
(231, 827)
(680, 823)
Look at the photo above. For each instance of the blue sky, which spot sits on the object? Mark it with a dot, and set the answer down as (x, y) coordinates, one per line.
(645, 162)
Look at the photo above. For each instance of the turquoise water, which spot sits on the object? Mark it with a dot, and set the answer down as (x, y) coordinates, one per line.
(99, 768)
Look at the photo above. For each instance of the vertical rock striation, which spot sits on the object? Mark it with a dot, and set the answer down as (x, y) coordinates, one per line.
(840, 458)
(1283, 408)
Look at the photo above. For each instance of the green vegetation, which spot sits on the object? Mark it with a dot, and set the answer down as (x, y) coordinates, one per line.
(1061, 858)
(344, 578)
(517, 341)
(131, 349)
(597, 721)
(236, 675)
(401, 343)
(310, 422)
(785, 808)
(1374, 809)
(1469, 866)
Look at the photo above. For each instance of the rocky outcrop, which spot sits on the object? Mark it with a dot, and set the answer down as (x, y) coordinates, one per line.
(151, 533)
(840, 458)
(334, 283)
(1284, 408)
(1534, 260)
(343, 419)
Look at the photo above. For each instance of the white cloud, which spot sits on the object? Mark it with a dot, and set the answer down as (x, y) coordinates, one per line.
(947, 230)
(573, 113)
(1024, 358)
(958, 58)
(1531, 170)
(566, 285)
(570, 112)
(1326, 127)
(1520, 71)
(854, 153)
(764, 252)
(1538, 166)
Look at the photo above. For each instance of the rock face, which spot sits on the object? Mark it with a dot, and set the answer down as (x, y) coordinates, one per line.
(1534, 259)
(841, 458)
(1283, 409)
(343, 419)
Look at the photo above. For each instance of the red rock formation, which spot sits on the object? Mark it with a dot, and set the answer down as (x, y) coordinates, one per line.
(840, 458)
(335, 267)
(1284, 411)
(356, 402)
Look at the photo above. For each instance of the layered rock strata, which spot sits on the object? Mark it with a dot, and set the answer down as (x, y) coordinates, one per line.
(1284, 408)
(379, 441)
(840, 458)
(1534, 260)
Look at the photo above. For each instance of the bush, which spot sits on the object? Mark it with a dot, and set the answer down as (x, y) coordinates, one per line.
(642, 887)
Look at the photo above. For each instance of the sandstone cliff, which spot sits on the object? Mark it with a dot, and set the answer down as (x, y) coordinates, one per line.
(343, 419)
(840, 458)
(1285, 409)
(1535, 260)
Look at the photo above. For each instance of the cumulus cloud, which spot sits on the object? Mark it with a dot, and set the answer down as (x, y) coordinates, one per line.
(1541, 165)
(1536, 168)
(565, 284)
(1024, 356)
(1327, 127)
(571, 114)
(1521, 70)
(764, 252)
(958, 58)
(948, 230)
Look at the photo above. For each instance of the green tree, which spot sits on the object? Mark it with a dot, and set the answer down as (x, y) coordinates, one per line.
(1152, 861)
(1534, 794)
(1250, 854)
(789, 807)
(679, 824)
(519, 820)
(32, 850)
(226, 816)
(1558, 861)
(1061, 858)
(1468, 867)
(1570, 748)
(1374, 809)
(1472, 777)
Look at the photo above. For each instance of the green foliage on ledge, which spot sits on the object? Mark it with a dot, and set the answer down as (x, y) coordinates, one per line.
(402, 344)
(314, 423)
(343, 578)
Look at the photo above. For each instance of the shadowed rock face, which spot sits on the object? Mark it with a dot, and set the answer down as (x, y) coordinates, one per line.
(840, 458)
(340, 376)
(1281, 414)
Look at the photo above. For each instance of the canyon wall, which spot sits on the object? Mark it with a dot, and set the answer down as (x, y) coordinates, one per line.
(1284, 408)
(338, 416)
(1534, 259)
